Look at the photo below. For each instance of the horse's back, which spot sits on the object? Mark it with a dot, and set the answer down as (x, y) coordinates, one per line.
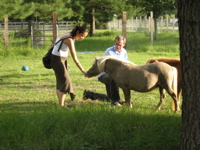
(175, 62)
(157, 67)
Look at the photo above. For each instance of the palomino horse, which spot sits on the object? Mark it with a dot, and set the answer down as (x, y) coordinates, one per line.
(144, 78)
(174, 63)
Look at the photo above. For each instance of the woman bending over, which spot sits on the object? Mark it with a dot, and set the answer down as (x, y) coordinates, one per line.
(59, 61)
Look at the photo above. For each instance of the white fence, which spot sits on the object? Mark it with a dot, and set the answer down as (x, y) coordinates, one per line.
(46, 28)
(139, 24)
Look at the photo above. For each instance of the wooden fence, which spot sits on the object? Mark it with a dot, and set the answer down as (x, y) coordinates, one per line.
(46, 28)
(143, 24)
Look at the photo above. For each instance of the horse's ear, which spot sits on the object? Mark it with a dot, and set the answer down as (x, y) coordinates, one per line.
(97, 58)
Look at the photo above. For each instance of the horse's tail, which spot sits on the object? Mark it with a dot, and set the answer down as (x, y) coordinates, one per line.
(175, 80)
(174, 86)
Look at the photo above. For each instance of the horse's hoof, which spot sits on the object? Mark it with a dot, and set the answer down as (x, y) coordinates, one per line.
(178, 110)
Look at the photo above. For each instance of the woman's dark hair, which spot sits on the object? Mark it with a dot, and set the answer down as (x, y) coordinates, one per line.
(79, 28)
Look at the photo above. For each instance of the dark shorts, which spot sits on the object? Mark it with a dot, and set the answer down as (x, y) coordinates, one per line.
(63, 81)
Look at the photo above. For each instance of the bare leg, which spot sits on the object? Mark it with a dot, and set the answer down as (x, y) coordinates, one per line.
(61, 98)
(57, 93)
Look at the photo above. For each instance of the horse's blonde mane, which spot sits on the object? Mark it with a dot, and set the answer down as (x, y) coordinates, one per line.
(101, 62)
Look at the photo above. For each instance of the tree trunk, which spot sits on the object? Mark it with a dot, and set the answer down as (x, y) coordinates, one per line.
(189, 31)
(92, 23)
(30, 23)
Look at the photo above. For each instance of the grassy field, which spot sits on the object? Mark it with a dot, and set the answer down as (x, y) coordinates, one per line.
(31, 119)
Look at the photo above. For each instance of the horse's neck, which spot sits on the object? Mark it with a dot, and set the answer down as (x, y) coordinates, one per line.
(101, 64)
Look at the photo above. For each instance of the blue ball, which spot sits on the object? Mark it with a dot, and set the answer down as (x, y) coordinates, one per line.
(25, 68)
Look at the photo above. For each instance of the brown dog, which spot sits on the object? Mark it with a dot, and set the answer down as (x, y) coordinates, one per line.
(175, 63)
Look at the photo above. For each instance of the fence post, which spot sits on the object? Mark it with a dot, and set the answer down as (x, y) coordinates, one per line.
(124, 25)
(151, 27)
(145, 21)
(54, 27)
(6, 31)
(32, 38)
(167, 22)
(161, 23)
(136, 23)
(174, 23)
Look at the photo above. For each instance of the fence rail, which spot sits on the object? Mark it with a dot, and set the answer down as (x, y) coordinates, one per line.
(46, 28)
(143, 24)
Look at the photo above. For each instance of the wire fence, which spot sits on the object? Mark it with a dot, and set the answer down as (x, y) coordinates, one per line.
(39, 33)
(139, 24)
(42, 32)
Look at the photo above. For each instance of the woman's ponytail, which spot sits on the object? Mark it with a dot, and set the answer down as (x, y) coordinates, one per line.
(78, 28)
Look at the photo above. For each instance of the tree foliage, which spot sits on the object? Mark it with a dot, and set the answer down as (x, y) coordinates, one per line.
(80, 10)
(104, 10)
(93, 12)
(42, 9)
(159, 7)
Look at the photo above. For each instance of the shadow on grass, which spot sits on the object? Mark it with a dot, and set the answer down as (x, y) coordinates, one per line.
(24, 107)
(85, 125)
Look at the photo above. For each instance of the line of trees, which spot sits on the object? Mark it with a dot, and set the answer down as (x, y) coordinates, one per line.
(95, 13)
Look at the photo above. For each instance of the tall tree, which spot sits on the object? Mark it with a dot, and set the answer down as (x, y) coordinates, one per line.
(189, 31)
(10, 8)
(159, 8)
(98, 12)
(42, 9)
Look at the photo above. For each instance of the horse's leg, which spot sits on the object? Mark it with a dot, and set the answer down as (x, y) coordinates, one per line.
(174, 97)
(162, 97)
(179, 91)
(172, 89)
(127, 95)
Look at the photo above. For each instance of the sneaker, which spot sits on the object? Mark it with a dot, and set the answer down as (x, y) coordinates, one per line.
(113, 104)
(72, 96)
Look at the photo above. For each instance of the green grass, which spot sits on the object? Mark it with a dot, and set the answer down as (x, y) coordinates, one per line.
(31, 119)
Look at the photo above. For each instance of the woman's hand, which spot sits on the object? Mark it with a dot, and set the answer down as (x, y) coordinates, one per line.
(85, 74)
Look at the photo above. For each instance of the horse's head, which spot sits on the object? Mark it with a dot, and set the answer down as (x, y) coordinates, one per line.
(97, 67)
